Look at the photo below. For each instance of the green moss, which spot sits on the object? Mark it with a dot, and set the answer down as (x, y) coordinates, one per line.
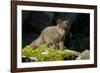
(43, 53)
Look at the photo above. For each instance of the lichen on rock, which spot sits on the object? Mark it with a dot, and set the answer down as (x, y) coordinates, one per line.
(44, 53)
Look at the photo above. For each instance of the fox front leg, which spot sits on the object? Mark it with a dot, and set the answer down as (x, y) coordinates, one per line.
(61, 44)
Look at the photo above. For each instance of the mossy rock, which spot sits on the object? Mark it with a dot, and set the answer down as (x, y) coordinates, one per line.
(44, 53)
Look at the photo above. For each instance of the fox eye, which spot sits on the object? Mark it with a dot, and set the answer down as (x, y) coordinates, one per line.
(68, 24)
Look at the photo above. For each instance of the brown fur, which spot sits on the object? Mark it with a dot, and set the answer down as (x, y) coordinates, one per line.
(52, 35)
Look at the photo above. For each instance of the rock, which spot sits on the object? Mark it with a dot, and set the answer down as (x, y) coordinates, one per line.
(25, 59)
(78, 37)
(33, 59)
(41, 20)
(75, 53)
(84, 55)
(78, 44)
(28, 37)
(45, 52)
(29, 59)
(25, 15)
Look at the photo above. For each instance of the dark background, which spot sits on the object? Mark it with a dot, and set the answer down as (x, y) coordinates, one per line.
(33, 22)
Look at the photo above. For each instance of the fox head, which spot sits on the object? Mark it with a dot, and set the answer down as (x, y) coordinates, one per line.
(64, 24)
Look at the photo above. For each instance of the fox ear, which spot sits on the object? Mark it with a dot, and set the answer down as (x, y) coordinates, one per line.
(59, 21)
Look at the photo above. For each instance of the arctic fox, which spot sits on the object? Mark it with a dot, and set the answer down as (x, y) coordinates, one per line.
(53, 35)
